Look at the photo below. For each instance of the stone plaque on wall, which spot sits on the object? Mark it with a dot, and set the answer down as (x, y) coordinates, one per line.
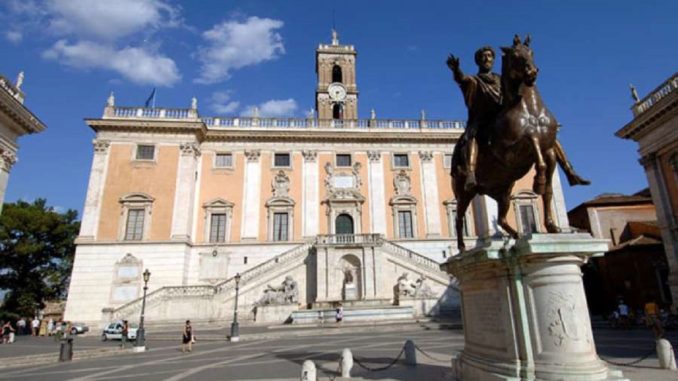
(125, 293)
(131, 272)
(343, 181)
(486, 328)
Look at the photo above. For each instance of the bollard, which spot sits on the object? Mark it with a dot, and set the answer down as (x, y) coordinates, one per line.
(410, 353)
(346, 363)
(66, 350)
(308, 371)
(665, 354)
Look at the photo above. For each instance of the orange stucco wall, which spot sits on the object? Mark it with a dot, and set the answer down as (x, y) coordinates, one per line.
(157, 179)
(365, 191)
(323, 158)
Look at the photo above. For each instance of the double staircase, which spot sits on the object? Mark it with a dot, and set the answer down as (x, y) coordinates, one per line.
(217, 299)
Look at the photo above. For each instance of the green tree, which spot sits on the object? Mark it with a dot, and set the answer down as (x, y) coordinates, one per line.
(36, 254)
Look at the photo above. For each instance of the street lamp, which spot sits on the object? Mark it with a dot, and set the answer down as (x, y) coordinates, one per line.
(141, 340)
(235, 335)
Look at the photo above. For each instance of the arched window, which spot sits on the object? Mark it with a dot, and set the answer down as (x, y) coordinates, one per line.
(344, 224)
(336, 74)
(337, 111)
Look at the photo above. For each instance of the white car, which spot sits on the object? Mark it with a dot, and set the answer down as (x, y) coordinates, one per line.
(114, 332)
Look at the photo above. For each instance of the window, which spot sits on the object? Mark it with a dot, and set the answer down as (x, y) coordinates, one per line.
(336, 73)
(218, 216)
(447, 163)
(401, 160)
(468, 229)
(280, 226)
(218, 227)
(337, 111)
(281, 160)
(343, 160)
(453, 222)
(527, 220)
(405, 224)
(223, 160)
(145, 152)
(134, 230)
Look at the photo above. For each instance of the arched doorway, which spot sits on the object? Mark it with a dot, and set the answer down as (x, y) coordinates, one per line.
(343, 224)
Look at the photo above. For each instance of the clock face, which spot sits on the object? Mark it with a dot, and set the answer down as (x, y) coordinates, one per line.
(337, 91)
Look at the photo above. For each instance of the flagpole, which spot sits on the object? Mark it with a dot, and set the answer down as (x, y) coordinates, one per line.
(154, 92)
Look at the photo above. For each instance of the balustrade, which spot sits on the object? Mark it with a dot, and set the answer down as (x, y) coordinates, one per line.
(669, 86)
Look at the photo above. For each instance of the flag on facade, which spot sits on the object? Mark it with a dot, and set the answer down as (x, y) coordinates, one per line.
(151, 100)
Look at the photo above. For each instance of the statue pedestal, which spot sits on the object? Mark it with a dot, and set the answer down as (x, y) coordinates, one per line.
(350, 291)
(524, 310)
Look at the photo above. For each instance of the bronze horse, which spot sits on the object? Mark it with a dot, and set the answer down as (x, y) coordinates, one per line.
(523, 134)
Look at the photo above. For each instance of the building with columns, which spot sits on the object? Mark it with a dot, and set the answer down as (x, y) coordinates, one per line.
(655, 128)
(16, 120)
(339, 209)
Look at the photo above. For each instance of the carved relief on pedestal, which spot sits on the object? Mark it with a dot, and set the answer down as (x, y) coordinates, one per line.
(565, 323)
(189, 149)
(253, 155)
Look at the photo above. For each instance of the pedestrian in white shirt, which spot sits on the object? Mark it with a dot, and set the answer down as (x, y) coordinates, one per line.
(35, 324)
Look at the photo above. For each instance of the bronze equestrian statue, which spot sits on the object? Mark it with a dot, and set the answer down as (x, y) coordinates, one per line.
(509, 130)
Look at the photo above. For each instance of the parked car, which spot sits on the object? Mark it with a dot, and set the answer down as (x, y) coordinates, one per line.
(77, 328)
(113, 331)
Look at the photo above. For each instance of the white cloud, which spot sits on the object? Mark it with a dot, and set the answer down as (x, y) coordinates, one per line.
(14, 36)
(274, 108)
(136, 64)
(109, 20)
(221, 103)
(232, 45)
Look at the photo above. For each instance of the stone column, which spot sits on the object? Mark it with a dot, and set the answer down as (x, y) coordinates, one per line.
(252, 192)
(184, 193)
(375, 171)
(663, 206)
(95, 189)
(524, 310)
(429, 189)
(310, 195)
(8, 158)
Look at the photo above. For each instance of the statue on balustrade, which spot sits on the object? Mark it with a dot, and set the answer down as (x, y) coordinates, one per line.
(509, 130)
(286, 293)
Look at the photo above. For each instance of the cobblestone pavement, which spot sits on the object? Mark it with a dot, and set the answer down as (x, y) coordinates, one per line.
(279, 356)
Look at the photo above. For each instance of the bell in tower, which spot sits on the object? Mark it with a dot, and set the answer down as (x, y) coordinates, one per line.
(336, 93)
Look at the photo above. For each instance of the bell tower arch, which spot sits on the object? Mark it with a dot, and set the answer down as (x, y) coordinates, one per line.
(336, 94)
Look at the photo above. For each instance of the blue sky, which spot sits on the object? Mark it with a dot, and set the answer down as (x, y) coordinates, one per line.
(236, 55)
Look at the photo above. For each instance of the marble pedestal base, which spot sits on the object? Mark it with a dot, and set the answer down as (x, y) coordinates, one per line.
(524, 310)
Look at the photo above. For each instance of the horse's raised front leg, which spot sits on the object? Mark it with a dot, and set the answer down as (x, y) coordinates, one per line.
(462, 204)
(539, 185)
(503, 204)
(551, 161)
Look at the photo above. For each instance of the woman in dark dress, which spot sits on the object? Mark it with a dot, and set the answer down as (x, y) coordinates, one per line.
(187, 337)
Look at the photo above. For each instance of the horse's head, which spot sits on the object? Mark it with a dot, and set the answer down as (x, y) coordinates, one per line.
(518, 62)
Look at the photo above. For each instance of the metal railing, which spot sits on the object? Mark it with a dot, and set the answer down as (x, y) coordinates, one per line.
(669, 86)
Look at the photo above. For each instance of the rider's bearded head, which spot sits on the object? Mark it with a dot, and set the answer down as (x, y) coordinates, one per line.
(484, 58)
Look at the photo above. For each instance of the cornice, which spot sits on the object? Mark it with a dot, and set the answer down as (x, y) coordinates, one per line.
(662, 111)
(140, 125)
(22, 116)
(334, 135)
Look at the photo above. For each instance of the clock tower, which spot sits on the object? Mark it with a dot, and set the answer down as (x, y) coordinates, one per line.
(336, 96)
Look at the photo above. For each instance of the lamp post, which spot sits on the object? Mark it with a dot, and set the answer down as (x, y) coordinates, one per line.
(235, 335)
(141, 340)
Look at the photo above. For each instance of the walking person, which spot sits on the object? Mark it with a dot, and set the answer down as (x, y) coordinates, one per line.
(187, 337)
(125, 333)
(652, 318)
(7, 333)
(21, 326)
(340, 313)
(50, 327)
(35, 326)
(623, 311)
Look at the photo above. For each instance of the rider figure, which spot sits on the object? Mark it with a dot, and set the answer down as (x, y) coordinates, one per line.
(482, 95)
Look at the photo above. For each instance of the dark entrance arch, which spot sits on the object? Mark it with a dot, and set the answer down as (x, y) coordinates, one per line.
(343, 224)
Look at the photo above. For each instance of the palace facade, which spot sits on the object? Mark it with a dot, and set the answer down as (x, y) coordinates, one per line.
(345, 209)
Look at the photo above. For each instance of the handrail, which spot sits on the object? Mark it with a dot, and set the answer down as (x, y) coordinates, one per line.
(346, 239)
(414, 256)
(211, 290)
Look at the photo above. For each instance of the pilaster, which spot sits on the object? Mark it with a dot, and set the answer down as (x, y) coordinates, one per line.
(252, 192)
(95, 188)
(429, 184)
(377, 193)
(184, 193)
(310, 194)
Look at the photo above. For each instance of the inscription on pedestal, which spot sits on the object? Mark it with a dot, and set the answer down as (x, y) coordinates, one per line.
(485, 328)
